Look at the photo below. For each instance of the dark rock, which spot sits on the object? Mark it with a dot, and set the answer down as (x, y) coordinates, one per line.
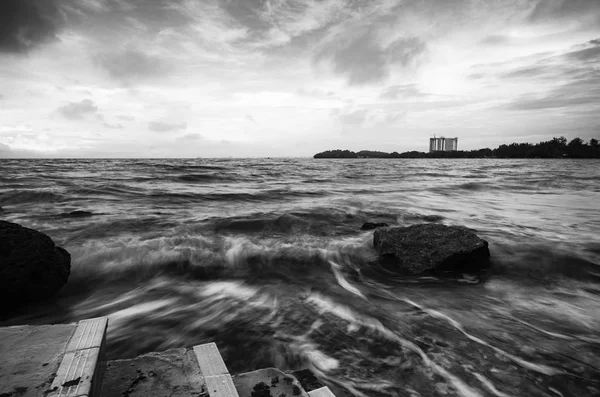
(261, 390)
(31, 266)
(307, 379)
(76, 214)
(431, 246)
(373, 225)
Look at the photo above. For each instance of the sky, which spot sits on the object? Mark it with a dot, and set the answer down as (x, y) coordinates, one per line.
(287, 78)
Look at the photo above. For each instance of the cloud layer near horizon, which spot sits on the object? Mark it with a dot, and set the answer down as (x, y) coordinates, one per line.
(192, 78)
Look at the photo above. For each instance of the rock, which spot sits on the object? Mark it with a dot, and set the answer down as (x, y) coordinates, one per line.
(31, 266)
(308, 380)
(76, 214)
(431, 246)
(373, 225)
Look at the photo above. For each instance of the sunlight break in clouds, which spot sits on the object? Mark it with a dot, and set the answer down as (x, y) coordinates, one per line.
(115, 78)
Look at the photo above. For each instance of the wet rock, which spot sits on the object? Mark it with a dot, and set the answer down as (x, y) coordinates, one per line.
(430, 246)
(373, 225)
(173, 373)
(308, 380)
(76, 214)
(261, 390)
(31, 266)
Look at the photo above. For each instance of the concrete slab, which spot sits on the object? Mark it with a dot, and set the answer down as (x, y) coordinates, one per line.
(172, 373)
(322, 392)
(215, 372)
(52, 360)
(82, 368)
(210, 360)
(89, 334)
(76, 374)
(268, 382)
(31, 356)
(220, 386)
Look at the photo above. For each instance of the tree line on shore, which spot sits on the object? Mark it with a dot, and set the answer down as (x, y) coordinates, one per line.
(555, 148)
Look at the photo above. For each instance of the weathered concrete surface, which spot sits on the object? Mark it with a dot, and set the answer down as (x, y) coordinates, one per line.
(30, 357)
(82, 367)
(52, 360)
(171, 373)
(268, 382)
(430, 246)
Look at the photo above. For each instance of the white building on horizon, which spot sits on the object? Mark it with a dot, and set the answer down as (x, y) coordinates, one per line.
(442, 144)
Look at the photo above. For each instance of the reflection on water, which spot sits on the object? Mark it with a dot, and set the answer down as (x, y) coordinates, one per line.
(267, 259)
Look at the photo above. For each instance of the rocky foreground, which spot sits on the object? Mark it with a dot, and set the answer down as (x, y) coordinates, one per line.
(32, 267)
(431, 246)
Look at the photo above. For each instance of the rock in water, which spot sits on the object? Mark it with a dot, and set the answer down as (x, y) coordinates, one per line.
(31, 266)
(373, 225)
(432, 246)
(76, 214)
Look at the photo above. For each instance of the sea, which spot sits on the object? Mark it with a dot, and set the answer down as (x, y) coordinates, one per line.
(266, 257)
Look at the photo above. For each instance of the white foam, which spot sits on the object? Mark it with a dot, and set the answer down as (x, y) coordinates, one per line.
(490, 386)
(343, 282)
(318, 358)
(228, 289)
(137, 310)
(543, 369)
(346, 314)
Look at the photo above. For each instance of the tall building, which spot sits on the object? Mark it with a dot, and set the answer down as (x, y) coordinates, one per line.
(442, 144)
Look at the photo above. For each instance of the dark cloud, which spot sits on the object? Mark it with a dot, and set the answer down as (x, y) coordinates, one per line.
(527, 72)
(315, 93)
(363, 59)
(476, 76)
(247, 13)
(495, 40)
(587, 52)
(131, 64)
(575, 64)
(191, 137)
(25, 24)
(356, 117)
(564, 9)
(77, 110)
(584, 93)
(406, 91)
(113, 126)
(4, 148)
(160, 126)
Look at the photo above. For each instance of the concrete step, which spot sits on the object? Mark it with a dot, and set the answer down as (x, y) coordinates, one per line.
(65, 360)
(170, 373)
(68, 360)
(321, 392)
(268, 382)
(216, 375)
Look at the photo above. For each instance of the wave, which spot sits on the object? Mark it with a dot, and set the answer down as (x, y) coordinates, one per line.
(537, 262)
(205, 178)
(31, 196)
(130, 259)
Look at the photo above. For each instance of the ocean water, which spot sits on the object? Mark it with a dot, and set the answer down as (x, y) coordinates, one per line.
(266, 258)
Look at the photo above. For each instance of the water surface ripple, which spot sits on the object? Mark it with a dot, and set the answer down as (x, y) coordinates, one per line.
(266, 258)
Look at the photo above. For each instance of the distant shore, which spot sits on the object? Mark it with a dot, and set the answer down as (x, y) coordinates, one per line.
(555, 148)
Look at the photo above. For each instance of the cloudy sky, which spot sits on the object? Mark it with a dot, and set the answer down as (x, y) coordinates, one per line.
(212, 78)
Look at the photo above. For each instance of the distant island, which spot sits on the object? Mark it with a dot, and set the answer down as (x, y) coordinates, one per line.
(555, 148)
